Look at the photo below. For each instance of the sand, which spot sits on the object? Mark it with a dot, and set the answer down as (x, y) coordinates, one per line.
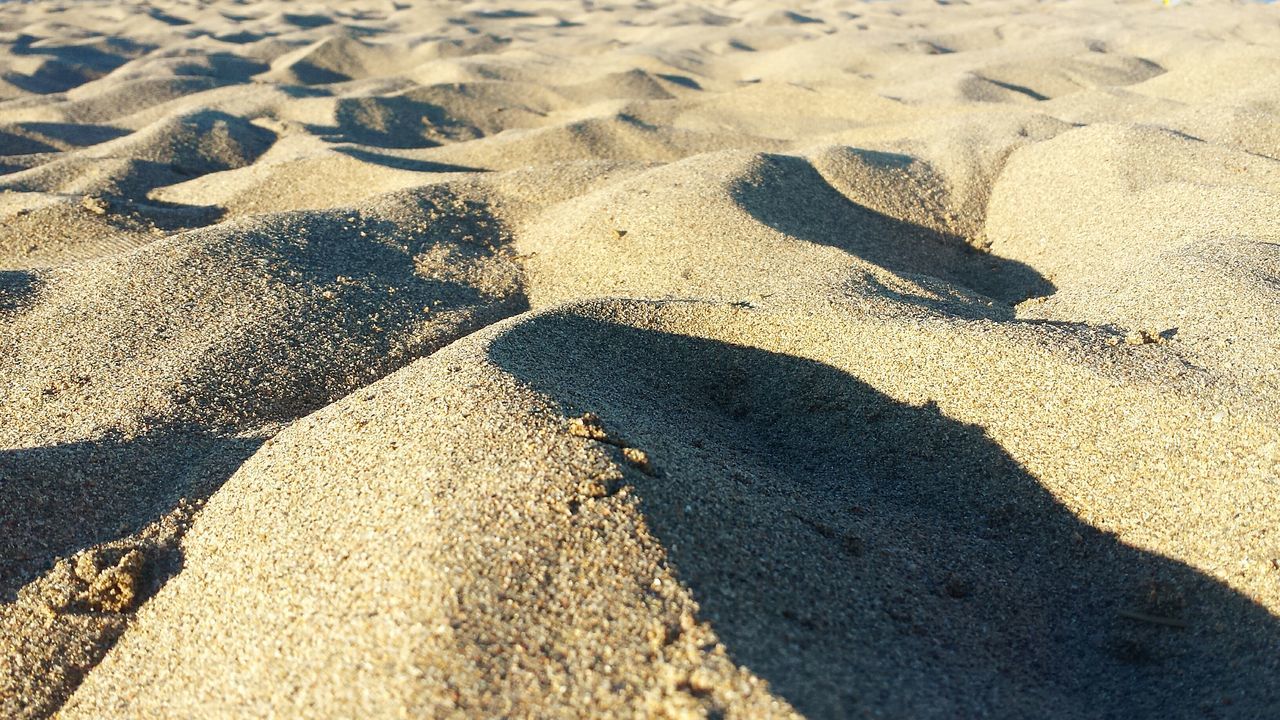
(584, 359)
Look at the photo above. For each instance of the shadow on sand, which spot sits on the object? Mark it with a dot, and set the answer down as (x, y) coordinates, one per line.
(872, 558)
(785, 183)
(57, 500)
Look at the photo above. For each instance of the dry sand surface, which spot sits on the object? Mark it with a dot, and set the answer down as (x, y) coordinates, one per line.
(580, 358)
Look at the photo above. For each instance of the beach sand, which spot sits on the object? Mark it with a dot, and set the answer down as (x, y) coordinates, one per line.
(733, 359)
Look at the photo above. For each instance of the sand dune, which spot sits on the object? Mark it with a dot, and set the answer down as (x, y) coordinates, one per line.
(584, 359)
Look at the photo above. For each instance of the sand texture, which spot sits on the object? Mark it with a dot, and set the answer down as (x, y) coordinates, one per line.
(578, 358)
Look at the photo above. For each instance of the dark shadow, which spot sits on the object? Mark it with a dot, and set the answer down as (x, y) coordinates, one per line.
(307, 21)
(228, 69)
(930, 48)
(16, 287)
(302, 91)
(681, 80)
(388, 122)
(508, 14)
(55, 501)
(52, 76)
(798, 19)
(936, 296)
(74, 134)
(871, 558)
(789, 195)
(69, 66)
(123, 210)
(309, 74)
(167, 216)
(238, 18)
(243, 37)
(166, 18)
(401, 163)
(362, 31)
(12, 144)
(1020, 89)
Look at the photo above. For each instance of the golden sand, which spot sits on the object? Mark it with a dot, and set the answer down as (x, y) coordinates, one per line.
(571, 358)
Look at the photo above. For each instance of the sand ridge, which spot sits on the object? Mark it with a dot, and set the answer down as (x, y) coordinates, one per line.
(585, 359)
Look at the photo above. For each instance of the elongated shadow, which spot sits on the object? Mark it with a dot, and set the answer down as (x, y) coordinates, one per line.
(75, 135)
(1020, 89)
(403, 163)
(166, 18)
(873, 558)
(789, 195)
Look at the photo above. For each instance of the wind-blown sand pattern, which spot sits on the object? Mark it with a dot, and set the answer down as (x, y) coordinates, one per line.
(584, 359)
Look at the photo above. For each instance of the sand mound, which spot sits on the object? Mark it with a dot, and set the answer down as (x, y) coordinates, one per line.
(586, 359)
(1083, 206)
(781, 221)
(612, 468)
(163, 153)
(244, 307)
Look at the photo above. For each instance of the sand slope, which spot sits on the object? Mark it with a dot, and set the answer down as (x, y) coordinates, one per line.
(576, 359)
